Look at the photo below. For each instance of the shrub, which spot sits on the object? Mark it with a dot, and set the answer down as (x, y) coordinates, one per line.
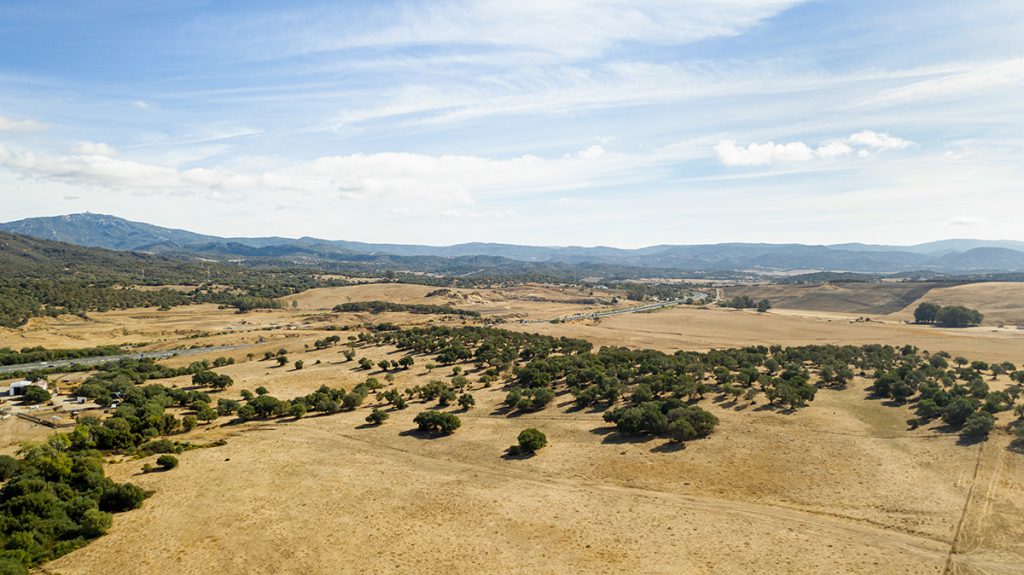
(167, 462)
(9, 467)
(530, 440)
(95, 522)
(466, 401)
(121, 497)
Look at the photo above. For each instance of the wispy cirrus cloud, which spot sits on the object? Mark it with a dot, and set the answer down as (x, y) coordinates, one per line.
(568, 29)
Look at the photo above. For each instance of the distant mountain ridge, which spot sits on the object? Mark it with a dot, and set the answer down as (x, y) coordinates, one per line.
(955, 255)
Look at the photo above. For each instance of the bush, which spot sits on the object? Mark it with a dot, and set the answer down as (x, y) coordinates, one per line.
(530, 440)
(9, 467)
(167, 462)
(12, 567)
(437, 422)
(124, 497)
(94, 523)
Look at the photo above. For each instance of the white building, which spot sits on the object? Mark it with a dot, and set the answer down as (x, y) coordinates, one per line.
(18, 387)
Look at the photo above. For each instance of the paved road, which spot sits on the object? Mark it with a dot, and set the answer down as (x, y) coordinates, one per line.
(91, 361)
(597, 314)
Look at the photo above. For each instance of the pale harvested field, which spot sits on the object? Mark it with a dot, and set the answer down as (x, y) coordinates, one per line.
(690, 328)
(839, 487)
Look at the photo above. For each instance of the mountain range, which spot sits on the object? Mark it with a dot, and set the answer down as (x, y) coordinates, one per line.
(947, 256)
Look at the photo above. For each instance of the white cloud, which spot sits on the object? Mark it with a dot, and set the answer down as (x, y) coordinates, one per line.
(592, 152)
(732, 154)
(878, 141)
(756, 154)
(381, 176)
(94, 149)
(9, 125)
(833, 149)
(140, 104)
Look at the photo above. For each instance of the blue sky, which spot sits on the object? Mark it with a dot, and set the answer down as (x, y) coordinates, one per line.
(575, 122)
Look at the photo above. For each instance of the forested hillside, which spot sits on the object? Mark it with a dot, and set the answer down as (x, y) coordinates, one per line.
(41, 277)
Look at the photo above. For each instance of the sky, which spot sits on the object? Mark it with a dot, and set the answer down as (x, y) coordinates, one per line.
(543, 122)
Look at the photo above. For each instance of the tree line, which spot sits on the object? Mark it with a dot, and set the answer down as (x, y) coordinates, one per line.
(947, 316)
(383, 306)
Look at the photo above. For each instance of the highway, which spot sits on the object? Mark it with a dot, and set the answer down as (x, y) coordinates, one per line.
(91, 361)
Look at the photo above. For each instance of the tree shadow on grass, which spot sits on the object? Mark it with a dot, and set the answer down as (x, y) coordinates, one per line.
(1017, 445)
(501, 410)
(969, 440)
(669, 447)
(418, 434)
(775, 408)
(513, 453)
(613, 437)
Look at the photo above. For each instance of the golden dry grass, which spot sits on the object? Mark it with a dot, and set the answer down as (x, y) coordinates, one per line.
(998, 301)
(839, 487)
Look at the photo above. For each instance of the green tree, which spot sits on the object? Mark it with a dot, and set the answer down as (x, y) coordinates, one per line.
(926, 313)
(299, 364)
(437, 422)
(978, 424)
(377, 417)
(35, 394)
(957, 316)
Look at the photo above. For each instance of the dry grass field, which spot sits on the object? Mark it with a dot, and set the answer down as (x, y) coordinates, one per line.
(859, 298)
(841, 486)
(1000, 302)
